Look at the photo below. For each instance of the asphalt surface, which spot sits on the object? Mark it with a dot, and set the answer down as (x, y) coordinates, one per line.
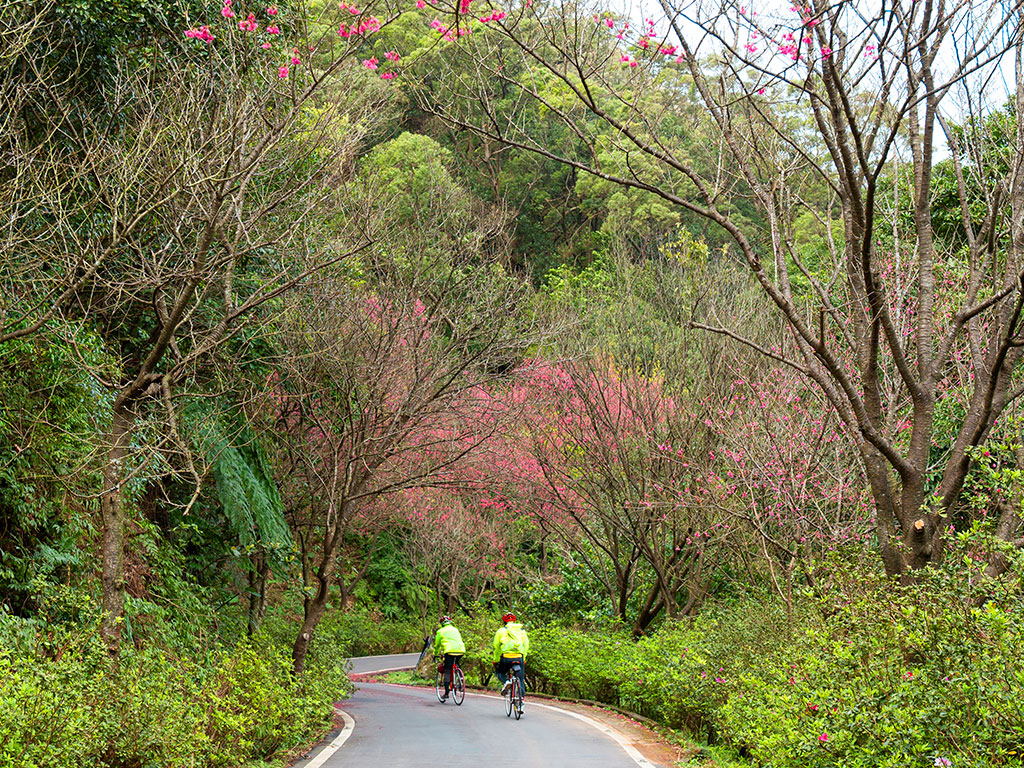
(404, 727)
(367, 664)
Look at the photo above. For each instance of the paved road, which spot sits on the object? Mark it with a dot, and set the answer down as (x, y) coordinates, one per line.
(403, 727)
(366, 664)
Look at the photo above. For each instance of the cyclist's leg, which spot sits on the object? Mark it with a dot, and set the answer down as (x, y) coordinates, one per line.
(449, 660)
(502, 670)
(451, 674)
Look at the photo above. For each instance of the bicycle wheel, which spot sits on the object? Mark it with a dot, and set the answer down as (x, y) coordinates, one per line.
(458, 686)
(509, 700)
(439, 686)
(517, 698)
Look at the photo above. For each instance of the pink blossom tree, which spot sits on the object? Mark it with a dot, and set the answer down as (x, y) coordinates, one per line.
(375, 397)
(604, 469)
(857, 155)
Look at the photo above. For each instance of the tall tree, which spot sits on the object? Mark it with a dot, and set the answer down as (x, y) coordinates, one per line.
(174, 202)
(870, 319)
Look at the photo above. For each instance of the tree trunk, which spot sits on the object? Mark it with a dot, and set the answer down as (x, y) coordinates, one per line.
(257, 592)
(113, 515)
(314, 609)
(317, 606)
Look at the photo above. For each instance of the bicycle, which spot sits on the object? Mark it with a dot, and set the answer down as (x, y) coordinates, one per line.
(458, 684)
(514, 694)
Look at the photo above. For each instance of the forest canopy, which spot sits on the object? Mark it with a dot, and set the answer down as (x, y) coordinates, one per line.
(691, 332)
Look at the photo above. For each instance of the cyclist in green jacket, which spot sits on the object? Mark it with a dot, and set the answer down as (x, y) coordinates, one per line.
(448, 643)
(511, 644)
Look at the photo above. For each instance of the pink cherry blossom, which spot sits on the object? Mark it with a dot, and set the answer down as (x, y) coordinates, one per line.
(371, 63)
(202, 33)
(272, 10)
(273, 29)
(265, 46)
(392, 56)
(282, 71)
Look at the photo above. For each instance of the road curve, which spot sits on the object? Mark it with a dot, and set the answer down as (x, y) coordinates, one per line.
(365, 665)
(402, 727)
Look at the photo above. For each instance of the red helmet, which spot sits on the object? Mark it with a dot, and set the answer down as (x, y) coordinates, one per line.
(508, 617)
(446, 620)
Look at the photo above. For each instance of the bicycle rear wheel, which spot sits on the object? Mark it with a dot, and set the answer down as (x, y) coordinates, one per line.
(458, 686)
(509, 700)
(439, 686)
(517, 698)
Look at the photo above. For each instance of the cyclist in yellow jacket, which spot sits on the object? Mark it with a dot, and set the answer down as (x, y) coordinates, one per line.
(511, 644)
(448, 643)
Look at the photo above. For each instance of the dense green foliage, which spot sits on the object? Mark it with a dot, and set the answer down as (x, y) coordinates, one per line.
(862, 674)
(66, 703)
(290, 366)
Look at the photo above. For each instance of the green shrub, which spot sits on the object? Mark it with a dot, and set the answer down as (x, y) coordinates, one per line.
(867, 674)
(361, 633)
(571, 662)
(892, 676)
(64, 702)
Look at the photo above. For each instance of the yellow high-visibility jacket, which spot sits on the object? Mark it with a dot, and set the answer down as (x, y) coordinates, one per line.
(448, 640)
(511, 640)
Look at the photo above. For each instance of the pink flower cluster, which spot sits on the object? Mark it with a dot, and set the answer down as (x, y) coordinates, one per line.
(371, 63)
(496, 16)
(248, 24)
(226, 11)
(446, 33)
(202, 33)
(365, 27)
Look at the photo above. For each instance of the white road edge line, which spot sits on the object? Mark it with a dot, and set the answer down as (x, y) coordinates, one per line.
(325, 754)
(617, 737)
(612, 734)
